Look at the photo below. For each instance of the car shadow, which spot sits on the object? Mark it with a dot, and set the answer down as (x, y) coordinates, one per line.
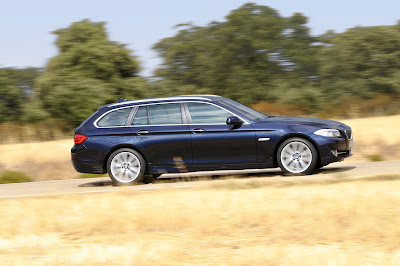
(332, 170)
(101, 183)
(258, 174)
(220, 175)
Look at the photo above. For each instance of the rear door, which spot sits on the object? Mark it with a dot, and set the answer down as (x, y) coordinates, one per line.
(164, 135)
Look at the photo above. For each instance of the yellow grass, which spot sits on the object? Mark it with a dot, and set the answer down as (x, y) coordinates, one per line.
(51, 160)
(375, 129)
(376, 135)
(41, 160)
(39, 152)
(355, 223)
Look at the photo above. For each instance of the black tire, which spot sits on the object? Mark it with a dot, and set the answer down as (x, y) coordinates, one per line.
(297, 156)
(132, 164)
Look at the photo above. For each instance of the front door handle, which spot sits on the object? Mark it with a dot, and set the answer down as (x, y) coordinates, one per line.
(143, 132)
(198, 130)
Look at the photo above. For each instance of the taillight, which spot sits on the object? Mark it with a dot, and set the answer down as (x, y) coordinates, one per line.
(79, 139)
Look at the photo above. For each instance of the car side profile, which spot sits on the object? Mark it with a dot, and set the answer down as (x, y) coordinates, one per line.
(132, 139)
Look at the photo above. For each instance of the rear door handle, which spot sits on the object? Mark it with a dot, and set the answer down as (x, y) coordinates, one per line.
(198, 130)
(143, 132)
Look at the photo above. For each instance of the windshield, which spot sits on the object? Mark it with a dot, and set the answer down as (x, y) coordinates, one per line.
(247, 111)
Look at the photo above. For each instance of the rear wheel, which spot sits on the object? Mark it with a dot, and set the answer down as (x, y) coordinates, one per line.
(297, 156)
(125, 167)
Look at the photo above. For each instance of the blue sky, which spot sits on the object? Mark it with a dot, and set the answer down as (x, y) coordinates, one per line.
(25, 38)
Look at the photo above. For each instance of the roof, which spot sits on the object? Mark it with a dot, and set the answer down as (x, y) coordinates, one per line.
(204, 97)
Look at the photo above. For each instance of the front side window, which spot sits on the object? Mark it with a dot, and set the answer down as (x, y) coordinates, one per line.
(115, 118)
(249, 112)
(203, 113)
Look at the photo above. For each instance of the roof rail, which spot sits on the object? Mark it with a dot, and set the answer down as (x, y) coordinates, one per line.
(160, 99)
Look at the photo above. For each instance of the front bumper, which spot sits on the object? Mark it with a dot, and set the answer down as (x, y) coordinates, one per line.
(336, 149)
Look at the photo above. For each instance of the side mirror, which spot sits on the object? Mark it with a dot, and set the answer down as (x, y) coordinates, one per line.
(234, 120)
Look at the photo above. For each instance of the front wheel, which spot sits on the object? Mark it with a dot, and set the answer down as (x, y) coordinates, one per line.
(297, 156)
(126, 167)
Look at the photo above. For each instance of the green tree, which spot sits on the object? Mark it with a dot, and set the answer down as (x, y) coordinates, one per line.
(16, 88)
(362, 61)
(244, 57)
(89, 71)
(10, 98)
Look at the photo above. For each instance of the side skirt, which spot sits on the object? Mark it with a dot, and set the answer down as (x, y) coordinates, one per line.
(213, 167)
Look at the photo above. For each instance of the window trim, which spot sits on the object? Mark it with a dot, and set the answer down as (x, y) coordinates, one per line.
(131, 116)
(186, 118)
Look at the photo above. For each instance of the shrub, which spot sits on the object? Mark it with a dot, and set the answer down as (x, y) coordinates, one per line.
(14, 177)
(85, 175)
(375, 157)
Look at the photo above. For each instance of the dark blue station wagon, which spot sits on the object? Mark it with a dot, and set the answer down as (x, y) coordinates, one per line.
(133, 139)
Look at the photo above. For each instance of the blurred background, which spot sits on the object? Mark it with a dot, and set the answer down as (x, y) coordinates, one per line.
(288, 58)
(255, 55)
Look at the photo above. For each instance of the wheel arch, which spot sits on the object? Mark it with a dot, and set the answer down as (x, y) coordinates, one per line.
(121, 146)
(295, 135)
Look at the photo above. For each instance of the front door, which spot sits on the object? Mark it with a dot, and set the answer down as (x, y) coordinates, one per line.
(216, 144)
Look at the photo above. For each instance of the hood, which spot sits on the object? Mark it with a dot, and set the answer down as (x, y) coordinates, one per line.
(316, 122)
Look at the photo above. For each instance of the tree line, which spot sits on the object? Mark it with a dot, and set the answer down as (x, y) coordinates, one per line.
(255, 55)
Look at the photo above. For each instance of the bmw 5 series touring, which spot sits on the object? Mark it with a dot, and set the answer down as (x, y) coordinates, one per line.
(133, 139)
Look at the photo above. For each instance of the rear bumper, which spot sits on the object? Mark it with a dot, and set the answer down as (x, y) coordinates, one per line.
(87, 167)
(83, 161)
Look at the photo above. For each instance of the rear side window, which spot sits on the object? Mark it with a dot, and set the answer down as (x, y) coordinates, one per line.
(163, 114)
(140, 117)
(115, 118)
(203, 113)
(158, 114)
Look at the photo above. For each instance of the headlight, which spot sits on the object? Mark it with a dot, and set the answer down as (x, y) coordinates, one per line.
(330, 133)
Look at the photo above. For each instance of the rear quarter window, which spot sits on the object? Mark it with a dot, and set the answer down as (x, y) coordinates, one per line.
(115, 118)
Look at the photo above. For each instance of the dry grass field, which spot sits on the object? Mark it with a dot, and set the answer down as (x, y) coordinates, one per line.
(374, 136)
(234, 222)
(41, 160)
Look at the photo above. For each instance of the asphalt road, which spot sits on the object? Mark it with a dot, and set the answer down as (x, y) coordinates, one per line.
(190, 180)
